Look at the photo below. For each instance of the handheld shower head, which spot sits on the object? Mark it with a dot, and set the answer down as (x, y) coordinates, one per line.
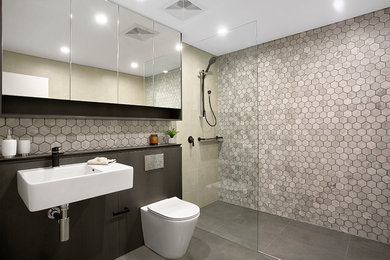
(211, 62)
(202, 76)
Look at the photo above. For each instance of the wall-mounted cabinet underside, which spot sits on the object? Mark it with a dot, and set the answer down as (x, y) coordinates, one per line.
(14, 106)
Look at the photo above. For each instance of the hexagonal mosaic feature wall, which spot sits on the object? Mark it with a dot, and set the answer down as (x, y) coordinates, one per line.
(323, 126)
(164, 89)
(237, 110)
(80, 135)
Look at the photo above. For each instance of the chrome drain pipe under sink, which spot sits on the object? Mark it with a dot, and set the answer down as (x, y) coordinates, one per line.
(61, 215)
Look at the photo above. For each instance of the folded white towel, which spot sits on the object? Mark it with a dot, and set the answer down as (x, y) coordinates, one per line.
(100, 161)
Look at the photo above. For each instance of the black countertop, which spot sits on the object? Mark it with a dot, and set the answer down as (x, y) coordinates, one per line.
(75, 153)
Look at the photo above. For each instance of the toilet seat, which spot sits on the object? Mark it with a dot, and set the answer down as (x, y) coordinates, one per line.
(174, 209)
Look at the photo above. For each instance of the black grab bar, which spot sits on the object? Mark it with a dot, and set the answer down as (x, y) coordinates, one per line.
(217, 138)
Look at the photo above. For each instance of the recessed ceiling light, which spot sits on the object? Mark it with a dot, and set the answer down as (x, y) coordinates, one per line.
(165, 71)
(140, 1)
(101, 19)
(222, 31)
(64, 50)
(134, 65)
(338, 5)
(179, 47)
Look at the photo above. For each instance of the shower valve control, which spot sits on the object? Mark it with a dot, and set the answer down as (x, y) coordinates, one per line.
(191, 140)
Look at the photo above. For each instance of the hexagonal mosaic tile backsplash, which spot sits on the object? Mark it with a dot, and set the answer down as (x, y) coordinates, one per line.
(324, 126)
(80, 135)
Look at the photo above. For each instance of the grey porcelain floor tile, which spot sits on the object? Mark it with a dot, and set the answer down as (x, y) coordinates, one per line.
(225, 211)
(271, 223)
(208, 221)
(363, 249)
(301, 241)
(142, 253)
(203, 246)
(207, 246)
(243, 232)
(269, 227)
(235, 223)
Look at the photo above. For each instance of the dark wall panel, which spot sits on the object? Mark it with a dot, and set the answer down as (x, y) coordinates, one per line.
(94, 232)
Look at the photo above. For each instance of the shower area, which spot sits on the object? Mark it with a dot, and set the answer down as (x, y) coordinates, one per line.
(303, 165)
(234, 215)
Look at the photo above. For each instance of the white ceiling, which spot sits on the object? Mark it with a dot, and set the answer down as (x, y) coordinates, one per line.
(41, 27)
(251, 22)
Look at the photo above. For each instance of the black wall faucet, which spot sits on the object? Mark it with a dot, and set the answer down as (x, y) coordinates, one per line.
(55, 156)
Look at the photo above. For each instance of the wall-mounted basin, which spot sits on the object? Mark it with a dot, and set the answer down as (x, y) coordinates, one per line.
(44, 188)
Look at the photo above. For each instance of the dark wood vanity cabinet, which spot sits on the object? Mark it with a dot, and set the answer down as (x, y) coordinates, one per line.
(95, 234)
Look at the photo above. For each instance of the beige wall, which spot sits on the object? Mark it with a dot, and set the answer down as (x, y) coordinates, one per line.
(88, 83)
(131, 89)
(57, 72)
(200, 163)
(93, 84)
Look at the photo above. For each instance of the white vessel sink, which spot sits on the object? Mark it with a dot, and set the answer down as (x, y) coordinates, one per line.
(44, 188)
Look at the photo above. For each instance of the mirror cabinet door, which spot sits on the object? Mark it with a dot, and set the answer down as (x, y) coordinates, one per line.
(94, 51)
(36, 48)
(165, 88)
(89, 50)
(136, 37)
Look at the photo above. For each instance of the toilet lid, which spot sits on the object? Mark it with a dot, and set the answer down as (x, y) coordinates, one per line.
(174, 208)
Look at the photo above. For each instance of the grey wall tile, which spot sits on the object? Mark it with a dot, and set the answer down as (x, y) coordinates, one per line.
(237, 109)
(164, 90)
(322, 124)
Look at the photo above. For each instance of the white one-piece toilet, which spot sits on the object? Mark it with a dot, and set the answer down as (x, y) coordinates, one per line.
(168, 226)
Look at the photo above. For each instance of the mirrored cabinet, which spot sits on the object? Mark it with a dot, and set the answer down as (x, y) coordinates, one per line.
(36, 48)
(94, 51)
(88, 52)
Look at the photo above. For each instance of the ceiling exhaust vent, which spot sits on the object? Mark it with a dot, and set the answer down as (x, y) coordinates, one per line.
(140, 32)
(183, 9)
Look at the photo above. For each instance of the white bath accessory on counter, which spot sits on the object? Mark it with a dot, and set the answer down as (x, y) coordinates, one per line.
(8, 146)
(100, 161)
(24, 147)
